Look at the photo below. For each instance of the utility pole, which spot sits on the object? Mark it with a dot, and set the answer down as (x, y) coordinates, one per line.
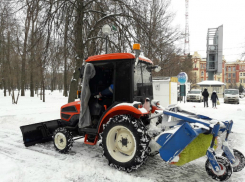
(187, 42)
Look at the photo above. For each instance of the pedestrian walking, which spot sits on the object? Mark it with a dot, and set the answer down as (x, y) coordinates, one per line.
(205, 95)
(214, 99)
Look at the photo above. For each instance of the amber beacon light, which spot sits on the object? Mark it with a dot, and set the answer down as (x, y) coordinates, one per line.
(136, 47)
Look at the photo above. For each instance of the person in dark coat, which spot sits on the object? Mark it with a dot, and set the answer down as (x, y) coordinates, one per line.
(214, 99)
(205, 95)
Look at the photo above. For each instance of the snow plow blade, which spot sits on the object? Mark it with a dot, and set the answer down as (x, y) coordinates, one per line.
(39, 132)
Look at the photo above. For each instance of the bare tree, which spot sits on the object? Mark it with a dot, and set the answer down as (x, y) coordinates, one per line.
(65, 32)
(24, 51)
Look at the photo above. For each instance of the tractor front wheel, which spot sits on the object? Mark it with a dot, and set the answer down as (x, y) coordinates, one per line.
(225, 169)
(63, 140)
(125, 142)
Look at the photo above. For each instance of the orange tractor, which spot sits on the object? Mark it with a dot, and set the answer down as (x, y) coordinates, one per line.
(116, 107)
(118, 119)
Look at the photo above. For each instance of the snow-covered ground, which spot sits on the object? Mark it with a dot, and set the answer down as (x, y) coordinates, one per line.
(85, 163)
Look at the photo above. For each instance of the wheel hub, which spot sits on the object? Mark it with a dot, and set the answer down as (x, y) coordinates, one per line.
(220, 172)
(60, 141)
(124, 141)
(121, 143)
(237, 162)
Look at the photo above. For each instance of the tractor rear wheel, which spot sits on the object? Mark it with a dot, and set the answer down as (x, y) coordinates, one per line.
(125, 143)
(63, 140)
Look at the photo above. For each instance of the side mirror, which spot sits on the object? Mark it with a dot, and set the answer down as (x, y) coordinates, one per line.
(81, 70)
(158, 68)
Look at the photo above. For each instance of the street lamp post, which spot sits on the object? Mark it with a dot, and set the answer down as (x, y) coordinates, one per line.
(106, 30)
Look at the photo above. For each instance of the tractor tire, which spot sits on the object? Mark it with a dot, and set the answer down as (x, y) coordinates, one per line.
(240, 160)
(63, 140)
(125, 143)
(225, 172)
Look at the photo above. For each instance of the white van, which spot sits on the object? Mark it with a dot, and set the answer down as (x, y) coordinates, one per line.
(231, 95)
(194, 95)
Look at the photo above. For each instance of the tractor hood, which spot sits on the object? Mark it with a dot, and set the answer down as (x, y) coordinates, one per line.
(70, 109)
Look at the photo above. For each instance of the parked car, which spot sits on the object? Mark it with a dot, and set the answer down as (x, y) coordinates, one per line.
(194, 95)
(231, 96)
(241, 95)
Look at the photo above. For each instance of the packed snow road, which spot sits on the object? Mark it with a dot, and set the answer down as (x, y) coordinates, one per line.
(85, 163)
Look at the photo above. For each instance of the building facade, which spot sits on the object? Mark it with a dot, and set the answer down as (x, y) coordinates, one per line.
(233, 73)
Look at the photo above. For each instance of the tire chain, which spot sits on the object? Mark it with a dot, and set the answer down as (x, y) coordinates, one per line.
(145, 139)
(69, 137)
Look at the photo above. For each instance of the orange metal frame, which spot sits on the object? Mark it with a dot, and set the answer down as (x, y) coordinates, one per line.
(90, 143)
(119, 110)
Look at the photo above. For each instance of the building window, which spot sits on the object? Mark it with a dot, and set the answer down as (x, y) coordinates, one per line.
(195, 65)
(229, 80)
(240, 80)
(233, 75)
(202, 73)
(243, 74)
(218, 79)
(229, 75)
(240, 74)
(201, 79)
(229, 68)
(234, 68)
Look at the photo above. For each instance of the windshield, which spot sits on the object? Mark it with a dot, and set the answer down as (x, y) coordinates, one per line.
(194, 92)
(232, 92)
(142, 81)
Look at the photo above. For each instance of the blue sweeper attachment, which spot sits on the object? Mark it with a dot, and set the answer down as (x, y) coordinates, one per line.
(192, 136)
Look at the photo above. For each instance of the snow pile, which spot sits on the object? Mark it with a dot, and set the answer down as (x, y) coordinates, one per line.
(85, 163)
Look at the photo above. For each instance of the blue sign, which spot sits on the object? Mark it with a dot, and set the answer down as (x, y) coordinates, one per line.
(182, 78)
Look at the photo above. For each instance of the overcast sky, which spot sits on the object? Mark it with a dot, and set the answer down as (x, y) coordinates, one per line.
(204, 14)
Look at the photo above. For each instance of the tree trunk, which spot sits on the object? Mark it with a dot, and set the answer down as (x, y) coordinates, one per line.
(65, 55)
(31, 60)
(9, 74)
(79, 46)
(23, 73)
(43, 90)
(4, 88)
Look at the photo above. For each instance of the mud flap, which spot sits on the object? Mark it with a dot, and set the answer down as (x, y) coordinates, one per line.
(176, 142)
(39, 132)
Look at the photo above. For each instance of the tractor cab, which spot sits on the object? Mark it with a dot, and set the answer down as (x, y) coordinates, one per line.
(131, 82)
